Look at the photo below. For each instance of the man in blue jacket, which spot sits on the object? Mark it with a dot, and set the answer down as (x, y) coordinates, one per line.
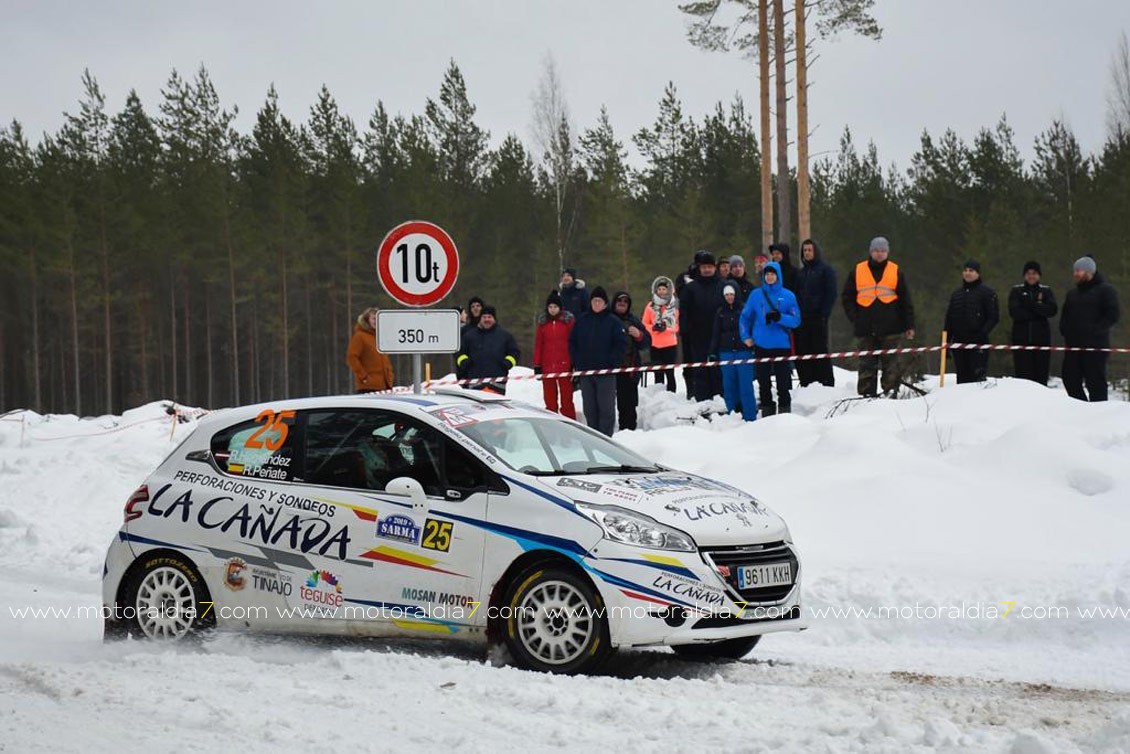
(598, 341)
(816, 295)
(768, 315)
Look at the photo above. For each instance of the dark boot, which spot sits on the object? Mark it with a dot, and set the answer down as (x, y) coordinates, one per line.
(767, 408)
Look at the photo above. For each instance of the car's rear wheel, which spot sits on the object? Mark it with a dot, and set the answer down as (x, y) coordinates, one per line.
(730, 649)
(555, 622)
(167, 599)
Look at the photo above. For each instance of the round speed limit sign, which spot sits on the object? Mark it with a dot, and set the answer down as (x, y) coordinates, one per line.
(417, 263)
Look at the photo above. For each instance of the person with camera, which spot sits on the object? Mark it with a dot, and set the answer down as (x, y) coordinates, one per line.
(661, 319)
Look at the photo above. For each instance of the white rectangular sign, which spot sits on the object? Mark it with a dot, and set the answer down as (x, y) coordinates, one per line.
(418, 330)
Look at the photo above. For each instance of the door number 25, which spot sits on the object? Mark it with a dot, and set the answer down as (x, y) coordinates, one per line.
(437, 535)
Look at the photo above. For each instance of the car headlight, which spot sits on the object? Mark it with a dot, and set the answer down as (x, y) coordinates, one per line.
(631, 528)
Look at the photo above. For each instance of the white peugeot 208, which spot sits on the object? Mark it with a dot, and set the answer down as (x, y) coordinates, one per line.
(448, 514)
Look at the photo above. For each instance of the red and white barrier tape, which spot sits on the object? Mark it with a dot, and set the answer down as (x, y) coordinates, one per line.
(472, 382)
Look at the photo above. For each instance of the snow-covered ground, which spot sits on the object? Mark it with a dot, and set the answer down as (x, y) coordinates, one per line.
(938, 515)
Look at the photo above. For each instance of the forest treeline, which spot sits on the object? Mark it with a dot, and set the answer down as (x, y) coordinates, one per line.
(162, 254)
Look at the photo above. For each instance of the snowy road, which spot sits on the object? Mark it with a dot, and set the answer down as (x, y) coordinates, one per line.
(939, 511)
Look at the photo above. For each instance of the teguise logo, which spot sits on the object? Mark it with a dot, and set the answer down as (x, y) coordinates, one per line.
(322, 589)
(399, 527)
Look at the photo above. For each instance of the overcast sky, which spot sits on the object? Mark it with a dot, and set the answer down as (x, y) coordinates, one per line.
(957, 63)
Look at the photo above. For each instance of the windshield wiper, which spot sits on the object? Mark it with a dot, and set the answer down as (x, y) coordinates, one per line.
(622, 468)
(551, 472)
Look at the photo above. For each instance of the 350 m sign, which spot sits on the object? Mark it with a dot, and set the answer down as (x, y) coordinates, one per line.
(417, 263)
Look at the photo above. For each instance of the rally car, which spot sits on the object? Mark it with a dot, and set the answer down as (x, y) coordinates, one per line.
(447, 514)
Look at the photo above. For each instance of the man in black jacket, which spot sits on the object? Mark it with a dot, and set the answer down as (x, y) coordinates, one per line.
(598, 341)
(574, 297)
(876, 299)
(698, 303)
(782, 254)
(972, 314)
(1090, 309)
(628, 383)
(1031, 305)
(486, 351)
(738, 277)
(816, 295)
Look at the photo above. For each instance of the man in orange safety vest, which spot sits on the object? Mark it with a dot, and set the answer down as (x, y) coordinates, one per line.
(877, 301)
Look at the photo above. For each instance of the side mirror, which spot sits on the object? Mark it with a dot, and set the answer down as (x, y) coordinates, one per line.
(411, 489)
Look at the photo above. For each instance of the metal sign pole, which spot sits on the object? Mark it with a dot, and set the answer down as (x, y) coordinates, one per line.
(417, 373)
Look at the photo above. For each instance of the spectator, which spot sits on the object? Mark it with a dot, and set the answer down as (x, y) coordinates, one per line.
(1031, 305)
(574, 297)
(876, 299)
(487, 351)
(816, 296)
(766, 319)
(723, 268)
(782, 254)
(697, 307)
(690, 274)
(759, 262)
(371, 369)
(726, 345)
(598, 341)
(474, 311)
(738, 275)
(1090, 310)
(661, 318)
(972, 314)
(628, 383)
(551, 354)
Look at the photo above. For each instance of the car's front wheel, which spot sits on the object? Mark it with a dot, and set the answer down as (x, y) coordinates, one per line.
(555, 622)
(167, 599)
(730, 649)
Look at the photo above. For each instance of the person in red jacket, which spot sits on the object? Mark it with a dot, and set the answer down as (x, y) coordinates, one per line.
(551, 354)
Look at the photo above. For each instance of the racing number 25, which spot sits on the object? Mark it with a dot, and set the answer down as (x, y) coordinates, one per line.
(437, 535)
(273, 423)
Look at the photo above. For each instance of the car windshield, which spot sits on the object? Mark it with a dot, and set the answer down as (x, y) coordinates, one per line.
(550, 447)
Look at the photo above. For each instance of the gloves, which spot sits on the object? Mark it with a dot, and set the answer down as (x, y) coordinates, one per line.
(537, 369)
(660, 326)
(712, 357)
(771, 317)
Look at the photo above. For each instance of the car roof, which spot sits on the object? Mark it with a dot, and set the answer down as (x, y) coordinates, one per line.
(420, 404)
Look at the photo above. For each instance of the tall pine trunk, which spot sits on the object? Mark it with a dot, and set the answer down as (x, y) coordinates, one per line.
(766, 131)
(234, 319)
(74, 327)
(107, 339)
(284, 310)
(804, 218)
(37, 388)
(173, 331)
(784, 195)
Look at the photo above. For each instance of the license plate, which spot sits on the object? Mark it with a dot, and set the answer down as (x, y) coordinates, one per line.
(767, 574)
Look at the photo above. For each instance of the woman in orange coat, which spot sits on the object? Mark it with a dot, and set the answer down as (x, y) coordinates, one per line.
(372, 370)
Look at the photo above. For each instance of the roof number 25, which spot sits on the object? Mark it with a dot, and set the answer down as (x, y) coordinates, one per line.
(273, 433)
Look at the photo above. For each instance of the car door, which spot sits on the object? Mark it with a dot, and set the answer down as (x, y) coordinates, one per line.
(411, 568)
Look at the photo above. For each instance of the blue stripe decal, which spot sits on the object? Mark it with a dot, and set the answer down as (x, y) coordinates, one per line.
(417, 613)
(566, 504)
(528, 539)
(126, 537)
(661, 566)
(617, 581)
(411, 611)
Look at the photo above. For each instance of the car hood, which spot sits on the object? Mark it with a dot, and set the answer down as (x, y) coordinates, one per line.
(715, 514)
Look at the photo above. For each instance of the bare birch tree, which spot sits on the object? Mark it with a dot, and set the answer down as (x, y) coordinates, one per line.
(553, 136)
(1118, 98)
